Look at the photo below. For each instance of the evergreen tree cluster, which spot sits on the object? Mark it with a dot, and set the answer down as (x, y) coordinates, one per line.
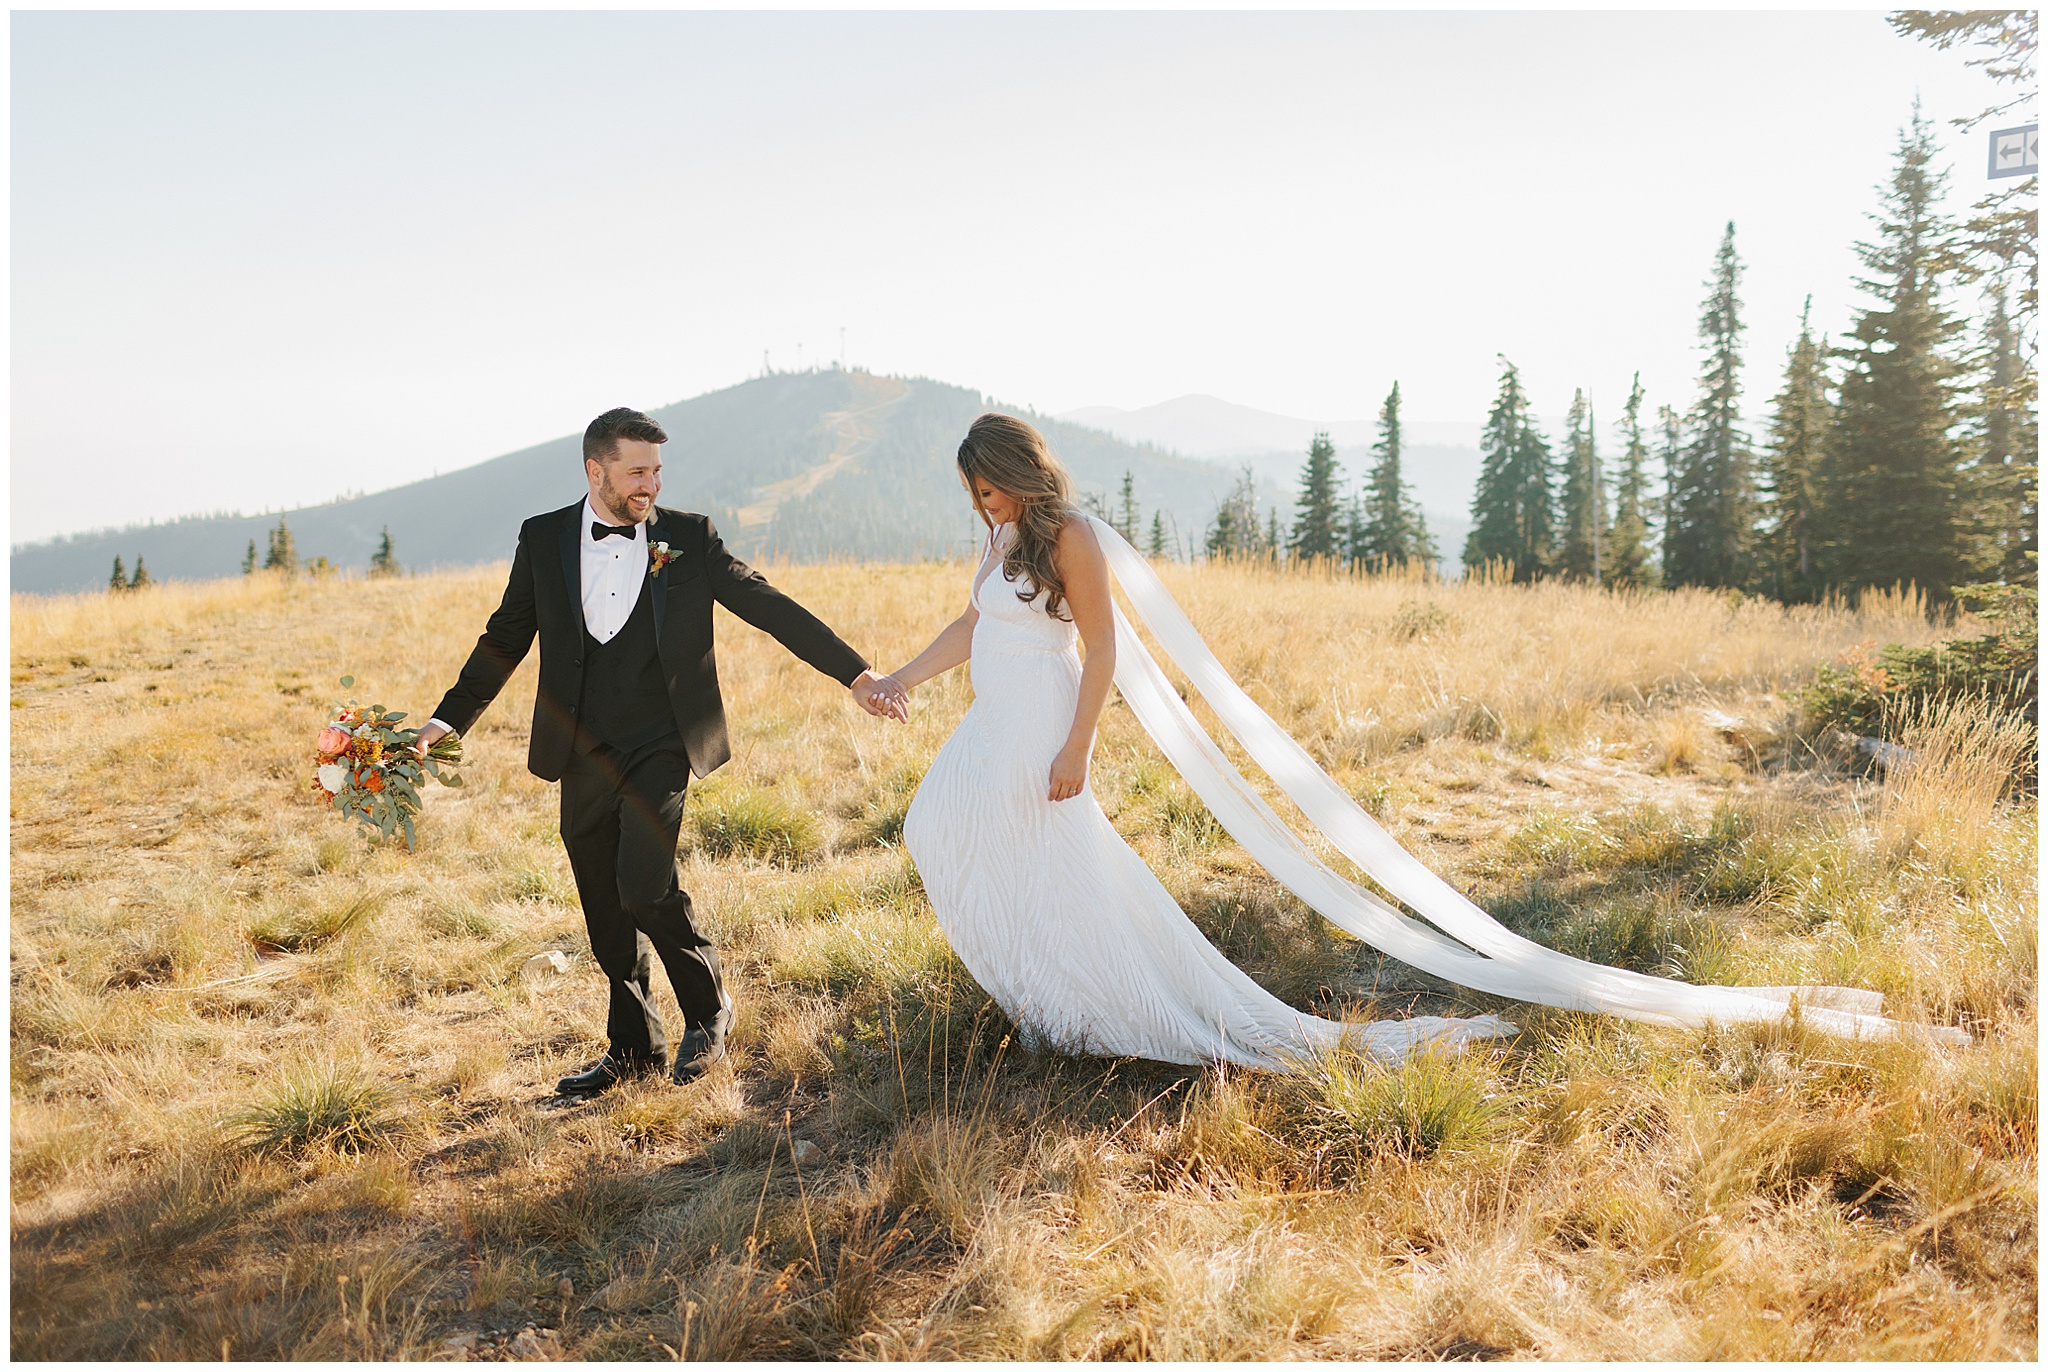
(121, 581)
(282, 555)
(1378, 525)
(1905, 452)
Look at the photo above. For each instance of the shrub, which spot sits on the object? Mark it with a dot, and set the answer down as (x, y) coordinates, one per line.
(1876, 694)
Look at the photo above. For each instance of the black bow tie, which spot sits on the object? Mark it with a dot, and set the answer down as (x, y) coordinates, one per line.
(601, 532)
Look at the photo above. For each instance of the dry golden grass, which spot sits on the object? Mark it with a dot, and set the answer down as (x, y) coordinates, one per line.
(277, 1094)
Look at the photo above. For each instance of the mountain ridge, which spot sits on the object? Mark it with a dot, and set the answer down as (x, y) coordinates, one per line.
(784, 463)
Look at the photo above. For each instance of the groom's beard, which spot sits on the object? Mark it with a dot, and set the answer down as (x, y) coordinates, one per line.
(615, 503)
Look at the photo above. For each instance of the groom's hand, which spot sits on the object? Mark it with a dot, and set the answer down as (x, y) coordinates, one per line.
(433, 732)
(882, 696)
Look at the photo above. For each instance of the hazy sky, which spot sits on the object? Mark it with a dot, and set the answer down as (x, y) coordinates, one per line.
(263, 259)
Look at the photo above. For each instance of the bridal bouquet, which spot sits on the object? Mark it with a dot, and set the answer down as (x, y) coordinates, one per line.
(368, 769)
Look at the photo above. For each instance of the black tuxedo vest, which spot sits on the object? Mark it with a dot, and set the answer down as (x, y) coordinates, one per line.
(625, 700)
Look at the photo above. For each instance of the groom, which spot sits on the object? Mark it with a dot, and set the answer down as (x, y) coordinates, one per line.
(620, 592)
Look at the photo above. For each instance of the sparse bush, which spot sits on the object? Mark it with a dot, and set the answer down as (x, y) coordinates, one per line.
(1420, 619)
(1882, 694)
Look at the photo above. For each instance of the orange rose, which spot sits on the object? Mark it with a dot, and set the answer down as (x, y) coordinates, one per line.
(371, 779)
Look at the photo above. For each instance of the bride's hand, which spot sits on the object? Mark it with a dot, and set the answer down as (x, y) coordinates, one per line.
(1069, 773)
(881, 695)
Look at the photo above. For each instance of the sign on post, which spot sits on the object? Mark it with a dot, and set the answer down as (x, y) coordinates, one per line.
(2015, 152)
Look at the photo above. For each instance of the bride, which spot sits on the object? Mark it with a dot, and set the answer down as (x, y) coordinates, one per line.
(1064, 925)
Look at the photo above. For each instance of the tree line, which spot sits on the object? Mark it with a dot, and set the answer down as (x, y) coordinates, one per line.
(1904, 451)
(1377, 524)
(281, 555)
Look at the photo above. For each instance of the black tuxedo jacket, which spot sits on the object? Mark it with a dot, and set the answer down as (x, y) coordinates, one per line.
(545, 596)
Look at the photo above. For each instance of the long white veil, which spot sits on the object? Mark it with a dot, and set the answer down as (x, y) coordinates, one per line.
(1479, 951)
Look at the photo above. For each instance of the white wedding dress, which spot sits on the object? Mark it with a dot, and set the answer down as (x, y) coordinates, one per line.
(1064, 925)
(1054, 914)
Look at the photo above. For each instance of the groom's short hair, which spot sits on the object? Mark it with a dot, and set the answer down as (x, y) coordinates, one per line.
(601, 439)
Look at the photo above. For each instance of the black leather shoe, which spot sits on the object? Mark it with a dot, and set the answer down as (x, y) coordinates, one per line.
(696, 1050)
(611, 1069)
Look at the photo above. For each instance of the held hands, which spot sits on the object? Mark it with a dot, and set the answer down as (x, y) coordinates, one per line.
(881, 696)
(1069, 772)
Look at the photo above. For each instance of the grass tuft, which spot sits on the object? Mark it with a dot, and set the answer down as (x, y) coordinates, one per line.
(751, 823)
(1429, 1104)
(319, 1105)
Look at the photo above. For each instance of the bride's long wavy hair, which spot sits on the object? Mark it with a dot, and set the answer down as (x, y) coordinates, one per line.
(1013, 457)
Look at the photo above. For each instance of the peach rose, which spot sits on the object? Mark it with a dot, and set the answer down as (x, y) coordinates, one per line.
(332, 740)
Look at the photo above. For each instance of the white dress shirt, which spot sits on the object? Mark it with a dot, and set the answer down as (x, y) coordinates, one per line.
(614, 569)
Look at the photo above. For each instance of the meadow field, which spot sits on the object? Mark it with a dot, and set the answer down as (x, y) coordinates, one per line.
(279, 1093)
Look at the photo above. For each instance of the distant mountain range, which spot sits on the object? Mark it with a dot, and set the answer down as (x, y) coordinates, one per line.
(805, 466)
(802, 466)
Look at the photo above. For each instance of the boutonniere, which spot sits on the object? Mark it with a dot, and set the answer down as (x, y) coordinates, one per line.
(659, 555)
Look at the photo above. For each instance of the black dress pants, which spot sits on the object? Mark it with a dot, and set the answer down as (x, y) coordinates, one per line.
(621, 812)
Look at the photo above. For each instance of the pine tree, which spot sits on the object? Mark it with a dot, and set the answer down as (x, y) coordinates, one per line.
(1628, 548)
(384, 562)
(1784, 566)
(1385, 525)
(2001, 238)
(1889, 504)
(119, 581)
(1235, 530)
(2006, 473)
(1671, 451)
(1158, 545)
(284, 550)
(1512, 506)
(1421, 542)
(249, 562)
(1584, 513)
(142, 577)
(1126, 521)
(1706, 542)
(1271, 544)
(1317, 520)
